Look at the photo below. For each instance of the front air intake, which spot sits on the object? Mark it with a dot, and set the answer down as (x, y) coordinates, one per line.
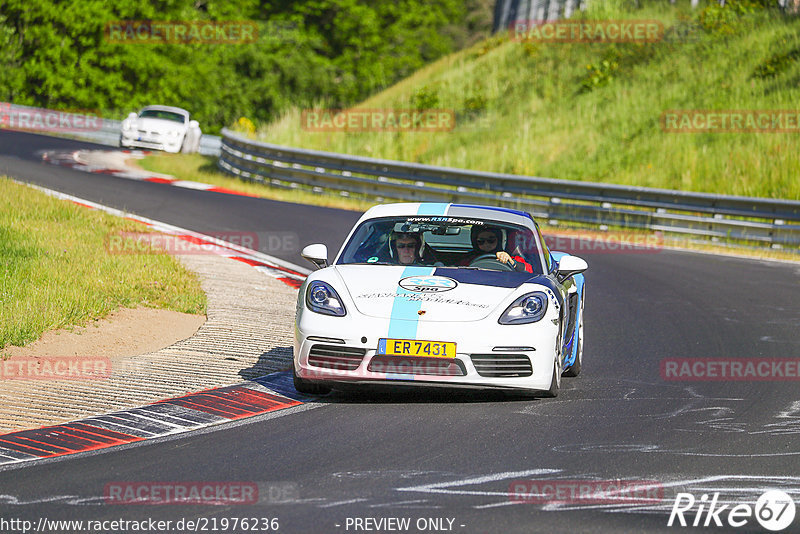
(502, 365)
(416, 366)
(336, 357)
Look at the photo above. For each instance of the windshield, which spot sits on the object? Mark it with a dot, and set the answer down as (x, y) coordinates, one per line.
(441, 242)
(164, 115)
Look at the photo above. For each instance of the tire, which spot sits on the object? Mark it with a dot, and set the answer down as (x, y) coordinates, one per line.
(309, 388)
(555, 383)
(575, 369)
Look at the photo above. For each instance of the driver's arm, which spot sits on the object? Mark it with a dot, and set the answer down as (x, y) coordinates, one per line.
(517, 262)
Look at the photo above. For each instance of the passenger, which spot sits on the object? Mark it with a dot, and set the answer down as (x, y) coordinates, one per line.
(489, 240)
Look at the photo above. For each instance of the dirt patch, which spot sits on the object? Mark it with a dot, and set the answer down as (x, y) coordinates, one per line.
(248, 333)
(125, 332)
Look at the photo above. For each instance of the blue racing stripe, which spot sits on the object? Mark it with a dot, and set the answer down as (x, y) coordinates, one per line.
(433, 209)
(404, 318)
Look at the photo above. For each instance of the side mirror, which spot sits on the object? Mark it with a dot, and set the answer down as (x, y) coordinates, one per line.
(570, 266)
(194, 124)
(132, 116)
(316, 254)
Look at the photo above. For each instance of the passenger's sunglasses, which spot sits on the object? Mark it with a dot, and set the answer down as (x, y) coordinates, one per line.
(406, 245)
(489, 240)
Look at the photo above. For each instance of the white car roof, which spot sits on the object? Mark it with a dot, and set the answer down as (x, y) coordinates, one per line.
(410, 209)
(165, 108)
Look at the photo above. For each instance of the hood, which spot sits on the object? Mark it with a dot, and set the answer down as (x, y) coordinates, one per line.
(442, 294)
(157, 125)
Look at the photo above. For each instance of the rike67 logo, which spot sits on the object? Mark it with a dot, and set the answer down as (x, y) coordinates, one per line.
(774, 511)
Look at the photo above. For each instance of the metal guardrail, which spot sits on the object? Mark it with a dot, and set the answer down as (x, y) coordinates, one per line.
(105, 133)
(769, 222)
(508, 12)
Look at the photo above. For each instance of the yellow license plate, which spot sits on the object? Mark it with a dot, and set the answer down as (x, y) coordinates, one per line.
(415, 347)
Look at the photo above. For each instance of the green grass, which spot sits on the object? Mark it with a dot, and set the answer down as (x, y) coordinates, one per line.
(589, 111)
(56, 271)
(204, 169)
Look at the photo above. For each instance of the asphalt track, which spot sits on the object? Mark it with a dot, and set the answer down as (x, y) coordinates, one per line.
(438, 455)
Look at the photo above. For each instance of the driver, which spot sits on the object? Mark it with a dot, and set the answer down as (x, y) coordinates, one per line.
(489, 240)
(405, 247)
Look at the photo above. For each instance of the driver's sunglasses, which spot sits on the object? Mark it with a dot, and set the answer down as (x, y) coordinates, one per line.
(489, 240)
(406, 245)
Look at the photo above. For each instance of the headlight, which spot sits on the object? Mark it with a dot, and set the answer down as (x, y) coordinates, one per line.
(126, 125)
(321, 298)
(526, 309)
(174, 133)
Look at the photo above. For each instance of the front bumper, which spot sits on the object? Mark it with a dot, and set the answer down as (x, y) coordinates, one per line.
(488, 355)
(134, 140)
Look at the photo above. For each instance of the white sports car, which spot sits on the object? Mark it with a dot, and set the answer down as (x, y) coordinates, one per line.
(161, 128)
(440, 295)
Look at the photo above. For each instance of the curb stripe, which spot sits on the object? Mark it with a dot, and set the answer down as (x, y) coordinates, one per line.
(79, 436)
(291, 282)
(234, 402)
(169, 416)
(226, 191)
(24, 445)
(123, 426)
(13, 456)
(176, 415)
(101, 434)
(129, 423)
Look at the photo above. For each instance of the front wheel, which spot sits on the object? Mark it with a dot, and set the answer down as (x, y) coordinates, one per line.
(555, 383)
(309, 388)
(575, 369)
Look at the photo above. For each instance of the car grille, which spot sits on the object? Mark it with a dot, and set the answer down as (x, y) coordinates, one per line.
(336, 357)
(502, 365)
(416, 366)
